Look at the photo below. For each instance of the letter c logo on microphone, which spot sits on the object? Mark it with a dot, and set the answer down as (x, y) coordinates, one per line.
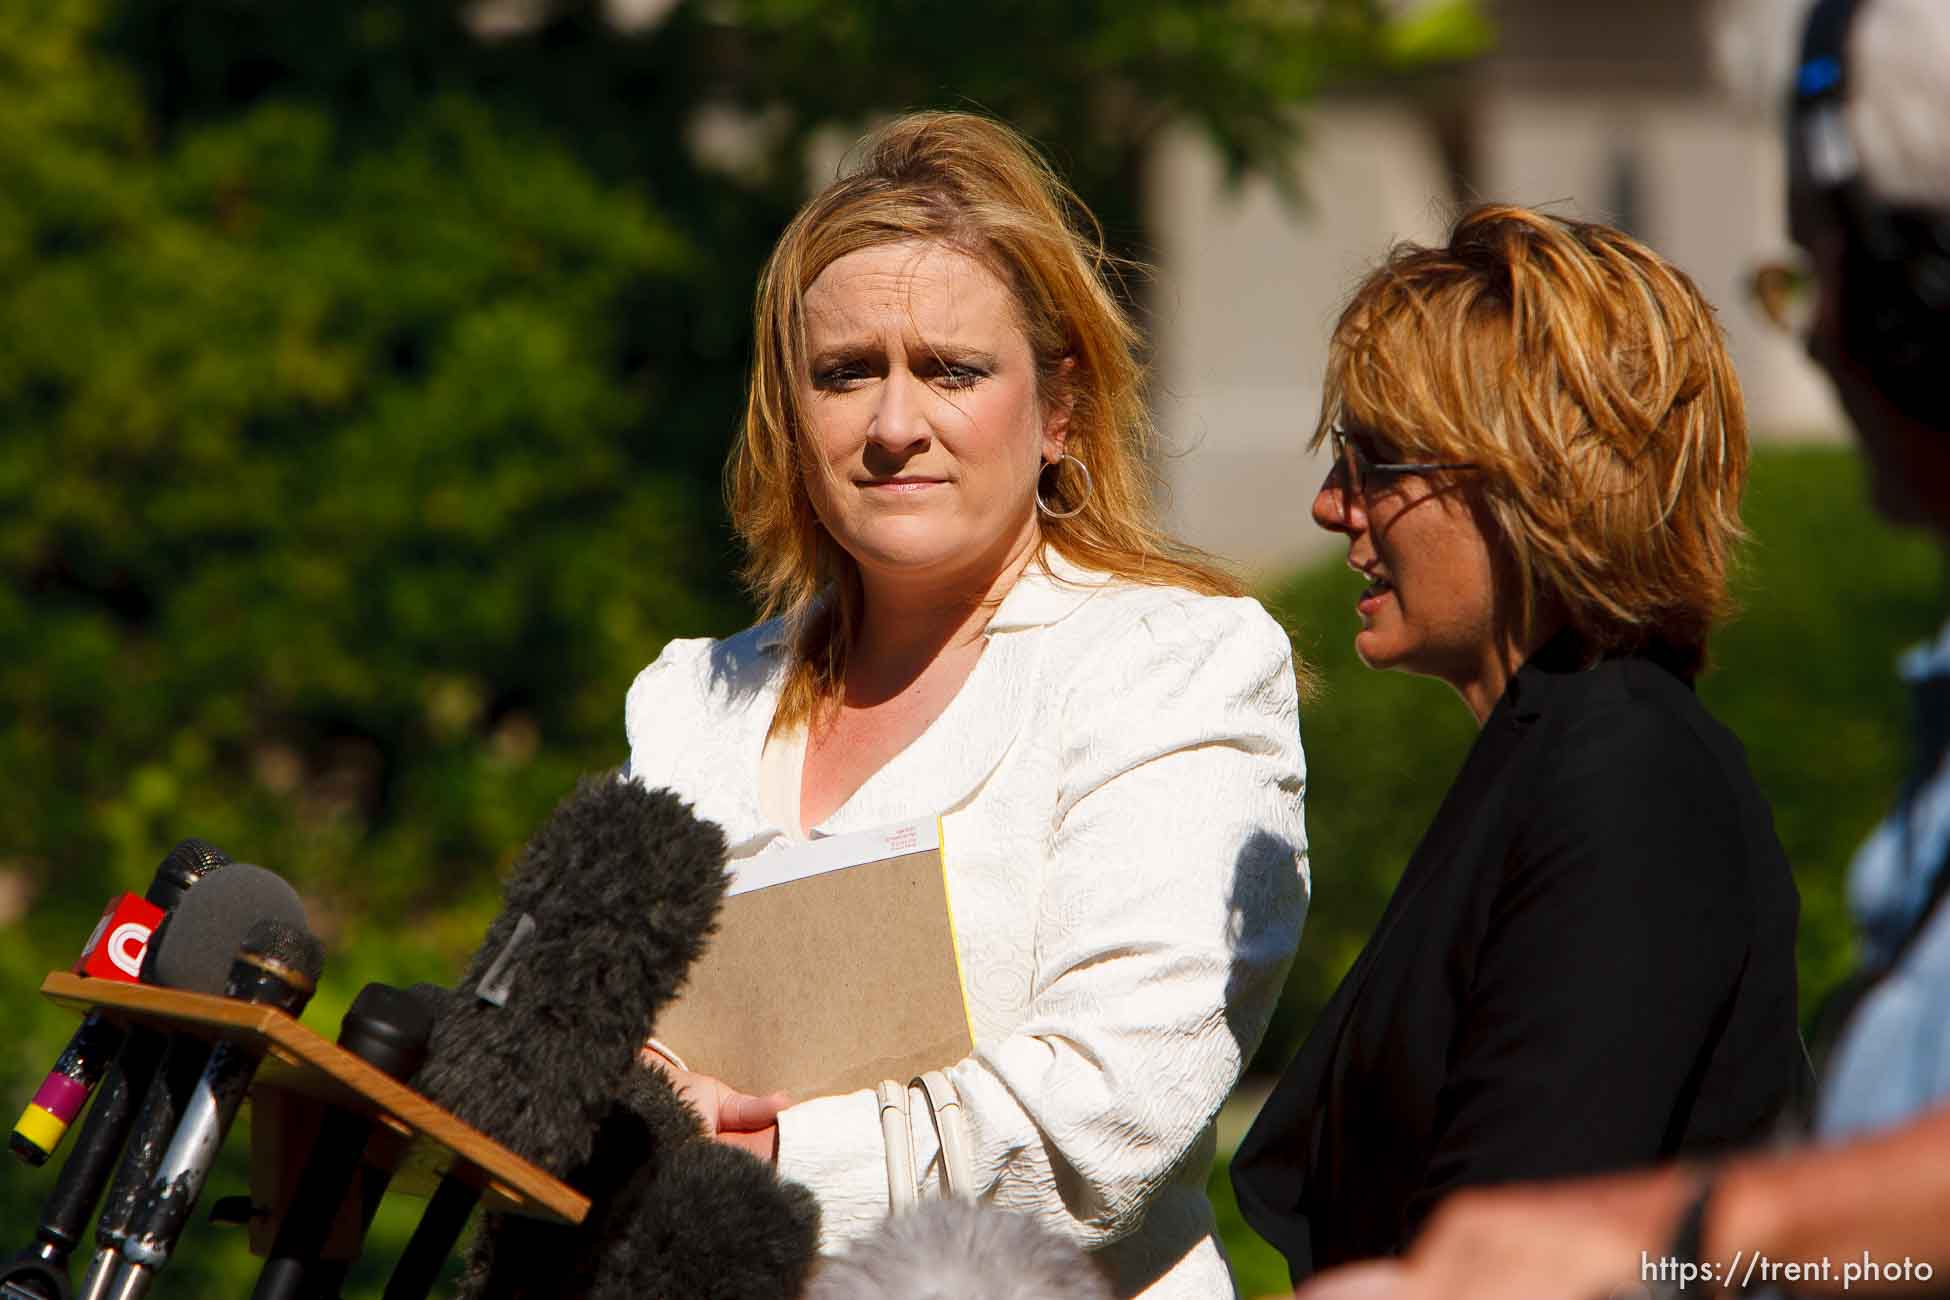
(126, 944)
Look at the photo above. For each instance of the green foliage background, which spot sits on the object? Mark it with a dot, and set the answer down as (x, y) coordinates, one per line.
(364, 386)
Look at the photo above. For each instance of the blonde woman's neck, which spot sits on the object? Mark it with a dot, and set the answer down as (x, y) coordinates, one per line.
(907, 622)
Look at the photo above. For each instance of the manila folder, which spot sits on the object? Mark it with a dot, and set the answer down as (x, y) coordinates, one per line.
(834, 967)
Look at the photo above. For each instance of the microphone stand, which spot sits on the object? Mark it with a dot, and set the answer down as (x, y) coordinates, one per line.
(433, 1240)
(41, 1271)
(277, 966)
(387, 1028)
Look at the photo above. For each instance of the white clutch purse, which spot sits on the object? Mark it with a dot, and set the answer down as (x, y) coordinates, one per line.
(951, 1129)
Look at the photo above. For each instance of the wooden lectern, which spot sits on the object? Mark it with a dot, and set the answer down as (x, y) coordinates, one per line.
(303, 1074)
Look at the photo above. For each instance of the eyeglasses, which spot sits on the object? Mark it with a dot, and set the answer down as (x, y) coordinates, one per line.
(1785, 292)
(1362, 473)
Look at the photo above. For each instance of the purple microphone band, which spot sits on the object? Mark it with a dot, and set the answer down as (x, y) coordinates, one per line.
(61, 1097)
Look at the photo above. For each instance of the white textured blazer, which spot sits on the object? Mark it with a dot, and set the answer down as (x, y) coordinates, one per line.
(1120, 783)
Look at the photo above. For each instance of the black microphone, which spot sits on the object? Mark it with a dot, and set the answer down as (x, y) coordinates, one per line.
(277, 966)
(327, 1277)
(607, 907)
(193, 949)
(388, 1028)
(93, 1046)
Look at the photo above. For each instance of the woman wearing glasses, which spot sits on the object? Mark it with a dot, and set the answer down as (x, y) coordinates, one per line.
(1588, 962)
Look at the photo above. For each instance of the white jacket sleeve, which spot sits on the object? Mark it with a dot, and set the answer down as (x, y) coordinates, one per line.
(1171, 906)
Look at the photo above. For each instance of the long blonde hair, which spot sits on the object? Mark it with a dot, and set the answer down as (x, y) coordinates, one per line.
(974, 185)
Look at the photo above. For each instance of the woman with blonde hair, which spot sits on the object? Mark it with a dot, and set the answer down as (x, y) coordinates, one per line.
(970, 613)
(1539, 451)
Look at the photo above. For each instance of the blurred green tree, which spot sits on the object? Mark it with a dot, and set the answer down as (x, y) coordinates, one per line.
(369, 377)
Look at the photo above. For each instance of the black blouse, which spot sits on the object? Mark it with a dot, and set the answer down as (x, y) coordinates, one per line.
(1588, 964)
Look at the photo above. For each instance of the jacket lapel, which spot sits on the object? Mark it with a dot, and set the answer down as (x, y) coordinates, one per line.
(946, 766)
(720, 758)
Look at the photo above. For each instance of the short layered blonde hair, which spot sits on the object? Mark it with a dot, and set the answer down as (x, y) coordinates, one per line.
(1589, 380)
(974, 185)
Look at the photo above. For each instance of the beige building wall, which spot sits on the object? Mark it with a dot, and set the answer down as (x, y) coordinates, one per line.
(1247, 288)
(1586, 107)
(1707, 191)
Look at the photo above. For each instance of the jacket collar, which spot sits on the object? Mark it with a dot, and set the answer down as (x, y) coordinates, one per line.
(1051, 587)
(949, 761)
(943, 766)
(1527, 695)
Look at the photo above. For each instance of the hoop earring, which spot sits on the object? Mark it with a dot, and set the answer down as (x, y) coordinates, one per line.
(1089, 486)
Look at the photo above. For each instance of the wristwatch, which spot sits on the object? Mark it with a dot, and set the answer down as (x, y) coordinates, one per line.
(1678, 1273)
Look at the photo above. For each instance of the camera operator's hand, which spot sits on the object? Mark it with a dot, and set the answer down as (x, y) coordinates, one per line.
(1583, 1240)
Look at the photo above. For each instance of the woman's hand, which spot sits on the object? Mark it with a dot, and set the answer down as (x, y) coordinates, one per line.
(732, 1117)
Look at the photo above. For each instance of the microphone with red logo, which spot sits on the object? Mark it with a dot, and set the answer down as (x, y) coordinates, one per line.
(194, 950)
(114, 951)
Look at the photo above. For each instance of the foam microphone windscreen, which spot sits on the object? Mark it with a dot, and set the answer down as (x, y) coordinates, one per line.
(607, 907)
(196, 943)
(671, 1213)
